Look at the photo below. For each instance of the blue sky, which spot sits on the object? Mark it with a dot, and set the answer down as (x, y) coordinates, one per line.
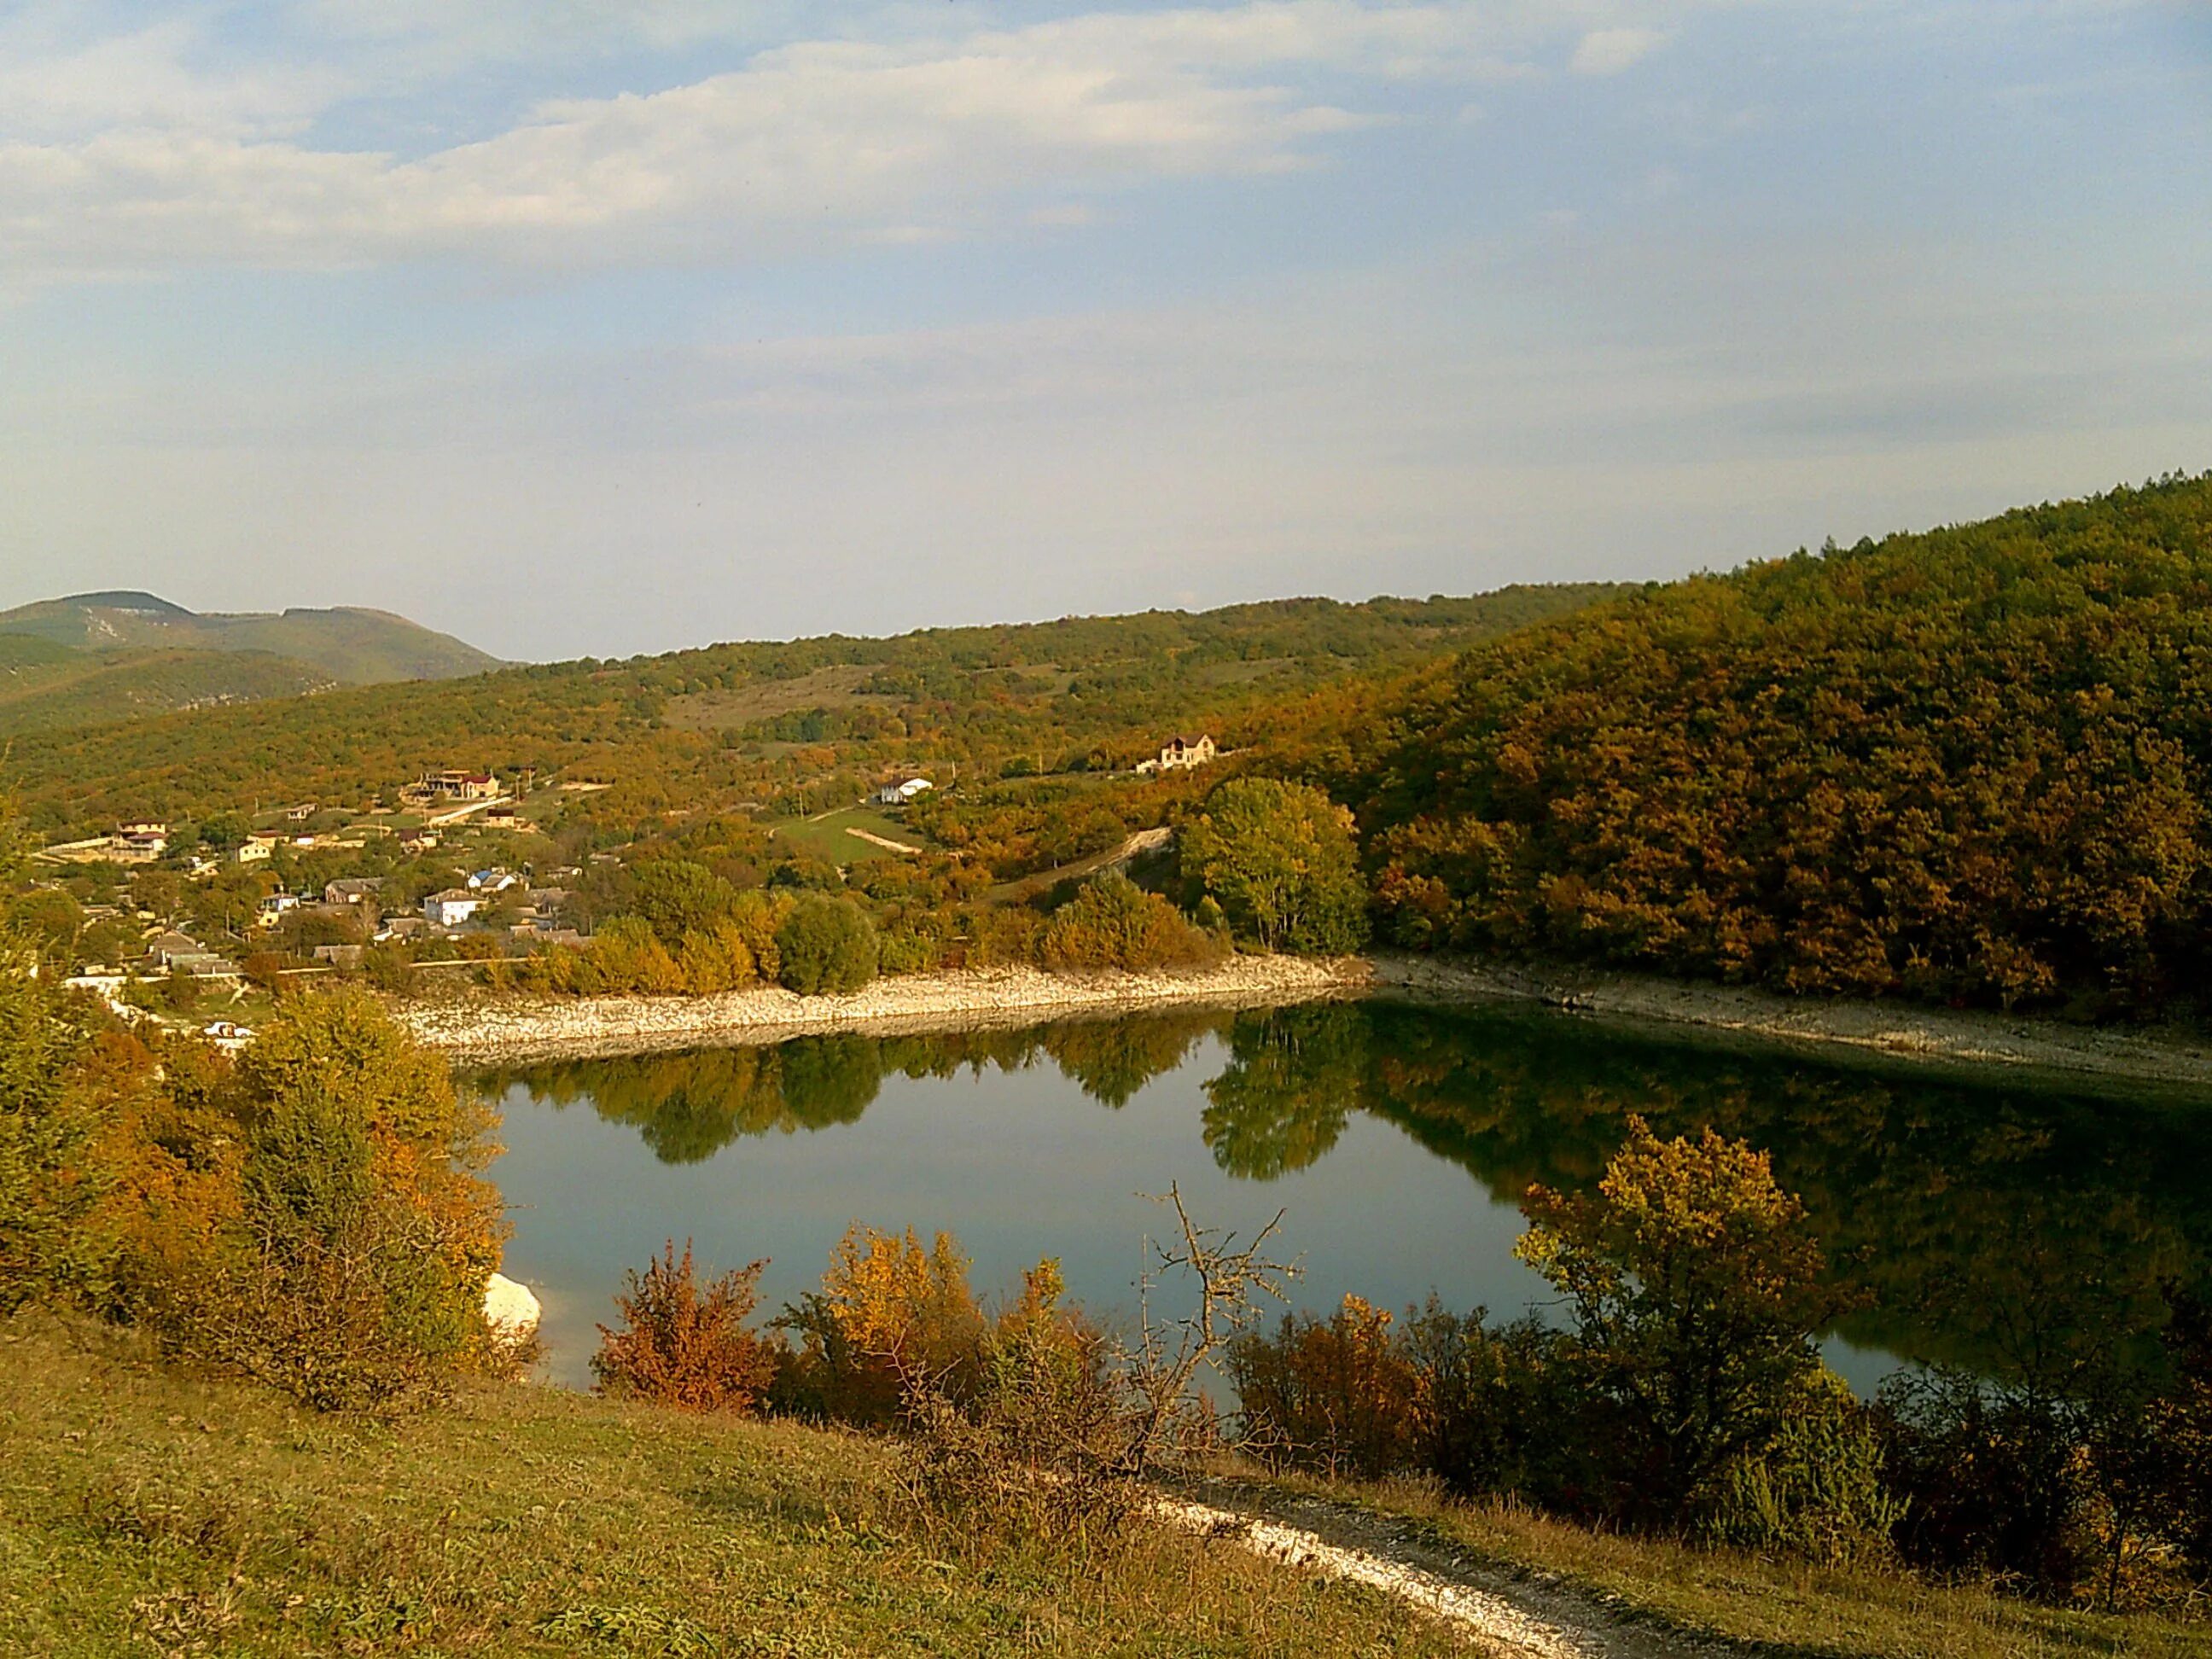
(578, 328)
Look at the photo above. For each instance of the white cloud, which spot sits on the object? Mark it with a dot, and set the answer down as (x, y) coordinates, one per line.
(131, 161)
(56, 83)
(1608, 51)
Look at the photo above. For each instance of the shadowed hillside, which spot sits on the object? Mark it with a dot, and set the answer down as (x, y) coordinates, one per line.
(351, 646)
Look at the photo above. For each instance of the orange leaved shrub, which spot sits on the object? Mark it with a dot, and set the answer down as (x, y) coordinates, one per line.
(683, 1343)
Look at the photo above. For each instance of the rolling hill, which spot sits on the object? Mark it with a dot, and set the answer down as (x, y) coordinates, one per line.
(351, 645)
(1971, 765)
(45, 687)
(709, 729)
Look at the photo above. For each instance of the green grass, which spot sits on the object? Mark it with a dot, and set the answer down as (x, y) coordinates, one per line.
(825, 838)
(1768, 1606)
(145, 1513)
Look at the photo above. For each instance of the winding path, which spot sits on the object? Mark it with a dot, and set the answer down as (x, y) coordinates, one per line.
(1504, 1614)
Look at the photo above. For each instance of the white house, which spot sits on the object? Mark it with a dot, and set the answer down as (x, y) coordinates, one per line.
(1179, 752)
(140, 843)
(452, 907)
(898, 794)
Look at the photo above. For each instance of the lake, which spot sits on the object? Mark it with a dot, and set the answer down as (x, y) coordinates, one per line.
(1979, 1222)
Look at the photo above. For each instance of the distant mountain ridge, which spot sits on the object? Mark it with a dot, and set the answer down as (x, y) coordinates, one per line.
(349, 644)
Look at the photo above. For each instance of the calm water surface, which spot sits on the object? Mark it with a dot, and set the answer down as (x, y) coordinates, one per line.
(1397, 1140)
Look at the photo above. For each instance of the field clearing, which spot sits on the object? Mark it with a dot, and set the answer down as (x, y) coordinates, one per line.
(835, 687)
(826, 837)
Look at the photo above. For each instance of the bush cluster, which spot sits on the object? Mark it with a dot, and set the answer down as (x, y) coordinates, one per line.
(1113, 923)
(684, 1344)
(1684, 1395)
(308, 1215)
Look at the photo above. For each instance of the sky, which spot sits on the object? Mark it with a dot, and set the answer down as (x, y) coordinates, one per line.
(577, 328)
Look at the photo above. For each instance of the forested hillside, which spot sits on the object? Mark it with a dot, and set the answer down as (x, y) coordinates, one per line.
(731, 724)
(1968, 765)
(48, 687)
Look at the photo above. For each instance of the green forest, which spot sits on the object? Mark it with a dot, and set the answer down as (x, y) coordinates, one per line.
(711, 728)
(1966, 766)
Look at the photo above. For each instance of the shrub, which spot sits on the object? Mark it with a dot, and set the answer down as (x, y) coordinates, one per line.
(627, 955)
(349, 1243)
(1039, 1450)
(826, 945)
(1504, 1410)
(1992, 1481)
(389, 968)
(685, 1344)
(1113, 923)
(716, 959)
(890, 1315)
(1280, 860)
(1818, 1490)
(1336, 1394)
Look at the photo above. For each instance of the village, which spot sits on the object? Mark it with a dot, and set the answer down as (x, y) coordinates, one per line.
(461, 866)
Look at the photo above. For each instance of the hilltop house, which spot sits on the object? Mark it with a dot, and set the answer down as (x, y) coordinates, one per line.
(1181, 753)
(898, 794)
(452, 907)
(452, 785)
(272, 908)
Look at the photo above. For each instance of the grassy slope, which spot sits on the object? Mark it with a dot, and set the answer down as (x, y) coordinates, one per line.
(826, 837)
(1767, 1606)
(141, 1511)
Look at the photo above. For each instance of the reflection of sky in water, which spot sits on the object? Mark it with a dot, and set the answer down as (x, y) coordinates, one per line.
(1957, 1208)
(1017, 1166)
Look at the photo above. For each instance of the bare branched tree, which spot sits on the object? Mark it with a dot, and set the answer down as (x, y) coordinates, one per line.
(1163, 1370)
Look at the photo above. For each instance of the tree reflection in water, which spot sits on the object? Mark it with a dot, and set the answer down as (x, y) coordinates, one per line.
(2020, 1231)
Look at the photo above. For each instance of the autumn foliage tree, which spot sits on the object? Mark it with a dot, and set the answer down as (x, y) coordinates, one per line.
(685, 1344)
(54, 1169)
(345, 1238)
(1695, 1284)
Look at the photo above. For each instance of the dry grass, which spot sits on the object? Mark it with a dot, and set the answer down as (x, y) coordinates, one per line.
(834, 687)
(143, 1513)
(1769, 1606)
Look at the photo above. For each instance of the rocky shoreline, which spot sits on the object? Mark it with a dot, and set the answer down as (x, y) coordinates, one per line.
(497, 1029)
(1938, 1039)
(489, 1030)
